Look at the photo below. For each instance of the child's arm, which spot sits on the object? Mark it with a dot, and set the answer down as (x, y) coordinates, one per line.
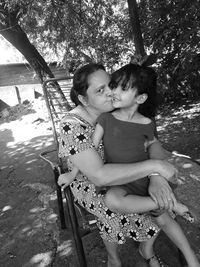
(97, 135)
(155, 150)
(66, 178)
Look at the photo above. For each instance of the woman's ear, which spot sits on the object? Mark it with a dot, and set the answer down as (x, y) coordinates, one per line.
(142, 98)
(83, 100)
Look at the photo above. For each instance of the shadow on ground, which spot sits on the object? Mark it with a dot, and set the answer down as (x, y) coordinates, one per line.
(30, 228)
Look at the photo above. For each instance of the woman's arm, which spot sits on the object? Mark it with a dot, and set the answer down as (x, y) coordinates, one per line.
(76, 144)
(90, 164)
(65, 179)
(159, 189)
(97, 135)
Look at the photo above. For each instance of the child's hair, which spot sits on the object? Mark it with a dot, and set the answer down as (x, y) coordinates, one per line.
(144, 79)
(80, 81)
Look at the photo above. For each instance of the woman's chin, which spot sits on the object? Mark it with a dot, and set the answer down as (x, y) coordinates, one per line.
(115, 105)
(108, 108)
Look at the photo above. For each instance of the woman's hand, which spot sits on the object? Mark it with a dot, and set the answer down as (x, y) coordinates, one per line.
(166, 169)
(161, 192)
(65, 179)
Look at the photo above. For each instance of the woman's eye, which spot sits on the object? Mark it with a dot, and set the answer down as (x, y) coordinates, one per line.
(101, 90)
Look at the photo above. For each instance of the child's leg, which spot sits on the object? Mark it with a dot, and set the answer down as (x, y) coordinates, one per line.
(117, 200)
(173, 230)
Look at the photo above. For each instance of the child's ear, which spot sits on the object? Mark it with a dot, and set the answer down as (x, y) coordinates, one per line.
(142, 98)
(83, 100)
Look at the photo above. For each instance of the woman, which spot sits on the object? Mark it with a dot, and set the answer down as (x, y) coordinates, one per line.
(92, 96)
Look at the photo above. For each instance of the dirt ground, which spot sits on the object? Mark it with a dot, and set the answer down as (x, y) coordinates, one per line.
(30, 233)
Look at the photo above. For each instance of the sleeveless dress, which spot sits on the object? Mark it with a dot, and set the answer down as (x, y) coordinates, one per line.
(75, 137)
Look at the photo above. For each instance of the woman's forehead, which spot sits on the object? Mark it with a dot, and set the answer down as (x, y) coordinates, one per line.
(99, 76)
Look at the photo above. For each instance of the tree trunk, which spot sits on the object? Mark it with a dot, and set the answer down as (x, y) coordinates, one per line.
(136, 29)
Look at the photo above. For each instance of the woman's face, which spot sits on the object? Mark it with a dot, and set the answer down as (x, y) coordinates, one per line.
(99, 93)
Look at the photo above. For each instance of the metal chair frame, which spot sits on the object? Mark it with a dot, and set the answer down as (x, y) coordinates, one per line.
(58, 168)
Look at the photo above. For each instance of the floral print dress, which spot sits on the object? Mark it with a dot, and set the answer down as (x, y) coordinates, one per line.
(75, 137)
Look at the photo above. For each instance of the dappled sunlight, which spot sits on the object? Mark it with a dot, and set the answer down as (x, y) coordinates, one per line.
(24, 130)
(31, 161)
(187, 165)
(26, 229)
(195, 177)
(177, 122)
(6, 208)
(37, 145)
(40, 187)
(52, 217)
(27, 213)
(179, 126)
(36, 209)
(181, 180)
(190, 111)
(28, 153)
(34, 222)
(65, 249)
(41, 259)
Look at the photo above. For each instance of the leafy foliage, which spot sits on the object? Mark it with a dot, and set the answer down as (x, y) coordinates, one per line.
(80, 31)
(172, 30)
(86, 30)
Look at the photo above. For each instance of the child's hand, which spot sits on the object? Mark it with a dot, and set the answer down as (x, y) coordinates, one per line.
(65, 179)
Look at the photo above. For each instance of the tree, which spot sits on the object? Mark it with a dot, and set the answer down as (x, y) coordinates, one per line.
(136, 28)
(12, 32)
(78, 31)
(171, 29)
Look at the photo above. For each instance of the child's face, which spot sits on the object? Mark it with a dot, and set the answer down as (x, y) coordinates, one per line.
(124, 99)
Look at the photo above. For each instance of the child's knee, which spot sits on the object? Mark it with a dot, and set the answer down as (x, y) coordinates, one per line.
(113, 199)
(162, 220)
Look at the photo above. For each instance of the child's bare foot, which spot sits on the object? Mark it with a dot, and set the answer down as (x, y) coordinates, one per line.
(180, 208)
(183, 211)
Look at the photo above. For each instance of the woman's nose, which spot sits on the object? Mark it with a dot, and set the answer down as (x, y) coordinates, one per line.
(108, 92)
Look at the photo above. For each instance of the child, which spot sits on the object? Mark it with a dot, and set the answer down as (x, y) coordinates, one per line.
(125, 131)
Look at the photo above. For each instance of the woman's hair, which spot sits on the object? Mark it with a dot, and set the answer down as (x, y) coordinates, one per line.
(144, 79)
(80, 81)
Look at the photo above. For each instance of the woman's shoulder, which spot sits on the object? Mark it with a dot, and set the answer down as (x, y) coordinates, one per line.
(69, 118)
(73, 118)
